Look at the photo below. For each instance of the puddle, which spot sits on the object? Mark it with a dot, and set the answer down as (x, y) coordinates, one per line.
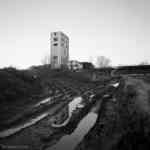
(115, 84)
(32, 121)
(43, 102)
(69, 142)
(11, 131)
(106, 95)
(73, 105)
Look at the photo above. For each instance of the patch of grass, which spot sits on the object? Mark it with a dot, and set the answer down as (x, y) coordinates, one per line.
(16, 87)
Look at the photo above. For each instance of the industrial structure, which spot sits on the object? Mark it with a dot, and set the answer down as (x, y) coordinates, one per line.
(75, 65)
(59, 50)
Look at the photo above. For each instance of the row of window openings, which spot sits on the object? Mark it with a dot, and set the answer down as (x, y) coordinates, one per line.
(56, 44)
(55, 58)
(56, 39)
(55, 33)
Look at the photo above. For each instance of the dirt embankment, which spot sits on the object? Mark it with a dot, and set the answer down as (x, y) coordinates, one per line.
(123, 122)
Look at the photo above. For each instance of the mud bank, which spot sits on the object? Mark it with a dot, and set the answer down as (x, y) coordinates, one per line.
(123, 121)
(70, 141)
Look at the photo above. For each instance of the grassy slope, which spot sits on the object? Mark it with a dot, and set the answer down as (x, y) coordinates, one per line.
(16, 87)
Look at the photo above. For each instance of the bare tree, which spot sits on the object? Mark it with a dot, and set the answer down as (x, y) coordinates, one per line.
(144, 63)
(103, 61)
(46, 60)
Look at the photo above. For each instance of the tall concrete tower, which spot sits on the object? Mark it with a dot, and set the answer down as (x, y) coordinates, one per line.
(59, 50)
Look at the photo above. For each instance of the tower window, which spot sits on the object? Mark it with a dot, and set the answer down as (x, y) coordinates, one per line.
(55, 44)
(55, 57)
(55, 39)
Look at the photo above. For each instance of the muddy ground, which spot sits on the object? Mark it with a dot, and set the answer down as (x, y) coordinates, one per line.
(123, 122)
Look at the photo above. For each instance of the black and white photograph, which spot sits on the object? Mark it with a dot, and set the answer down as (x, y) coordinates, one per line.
(74, 74)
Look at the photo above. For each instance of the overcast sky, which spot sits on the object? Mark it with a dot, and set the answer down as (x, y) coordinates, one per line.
(117, 29)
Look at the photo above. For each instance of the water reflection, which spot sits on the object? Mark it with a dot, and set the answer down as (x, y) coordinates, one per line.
(69, 142)
(74, 104)
(43, 102)
(63, 117)
(13, 130)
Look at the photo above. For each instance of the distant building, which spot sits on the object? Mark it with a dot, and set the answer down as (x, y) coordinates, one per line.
(74, 65)
(87, 65)
(59, 50)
